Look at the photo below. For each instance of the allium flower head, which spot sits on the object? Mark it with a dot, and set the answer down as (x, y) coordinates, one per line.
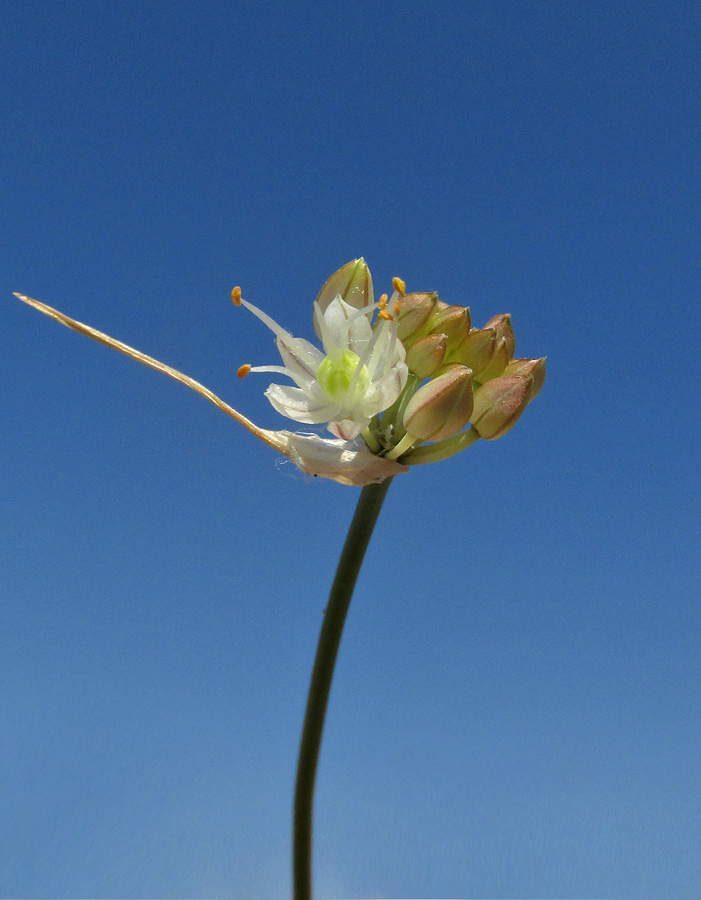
(387, 410)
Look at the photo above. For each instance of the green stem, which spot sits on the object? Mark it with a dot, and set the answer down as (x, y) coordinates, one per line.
(359, 533)
(442, 449)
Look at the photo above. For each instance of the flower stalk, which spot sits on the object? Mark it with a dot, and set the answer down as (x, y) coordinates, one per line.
(359, 534)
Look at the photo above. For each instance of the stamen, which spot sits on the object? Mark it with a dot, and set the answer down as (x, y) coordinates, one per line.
(399, 286)
(397, 307)
(376, 360)
(236, 296)
(278, 370)
(375, 350)
(383, 314)
(393, 338)
(365, 360)
(243, 370)
(382, 302)
(265, 319)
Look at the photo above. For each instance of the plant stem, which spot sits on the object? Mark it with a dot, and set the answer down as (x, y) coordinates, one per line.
(359, 533)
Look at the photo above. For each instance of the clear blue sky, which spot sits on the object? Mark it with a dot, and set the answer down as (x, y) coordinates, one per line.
(516, 710)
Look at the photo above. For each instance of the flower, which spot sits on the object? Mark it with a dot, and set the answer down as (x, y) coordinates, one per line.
(381, 415)
(361, 372)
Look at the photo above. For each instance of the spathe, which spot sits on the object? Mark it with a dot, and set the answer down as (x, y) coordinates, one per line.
(347, 462)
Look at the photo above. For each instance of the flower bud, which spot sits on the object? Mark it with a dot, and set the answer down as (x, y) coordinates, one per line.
(353, 282)
(526, 367)
(497, 363)
(452, 321)
(414, 312)
(425, 356)
(499, 403)
(504, 329)
(442, 407)
(476, 350)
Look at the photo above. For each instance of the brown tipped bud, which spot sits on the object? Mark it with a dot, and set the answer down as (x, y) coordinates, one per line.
(442, 407)
(498, 405)
(425, 356)
(504, 329)
(414, 312)
(353, 282)
(476, 350)
(452, 321)
(526, 367)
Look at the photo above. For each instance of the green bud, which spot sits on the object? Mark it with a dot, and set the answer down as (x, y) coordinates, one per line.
(425, 356)
(504, 329)
(526, 367)
(452, 321)
(414, 312)
(353, 282)
(442, 407)
(476, 350)
(499, 403)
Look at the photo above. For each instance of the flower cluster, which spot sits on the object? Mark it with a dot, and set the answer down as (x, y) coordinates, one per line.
(394, 393)
(421, 374)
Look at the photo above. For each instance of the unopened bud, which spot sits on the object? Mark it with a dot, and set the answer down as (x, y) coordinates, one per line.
(425, 356)
(476, 350)
(499, 403)
(526, 367)
(497, 363)
(414, 312)
(504, 329)
(452, 321)
(442, 407)
(353, 282)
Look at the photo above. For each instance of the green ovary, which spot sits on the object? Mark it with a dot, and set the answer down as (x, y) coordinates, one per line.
(336, 372)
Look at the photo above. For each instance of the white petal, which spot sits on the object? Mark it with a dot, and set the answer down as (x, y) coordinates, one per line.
(380, 360)
(322, 329)
(348, 429)
(295, 404)
(345, 326)
(385, 391)
(301, 359)
(359, 334)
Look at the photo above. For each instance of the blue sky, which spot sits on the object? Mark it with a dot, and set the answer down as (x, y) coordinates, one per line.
(516, 705)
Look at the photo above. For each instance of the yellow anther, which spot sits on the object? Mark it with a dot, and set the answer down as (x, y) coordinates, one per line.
(236, 297)
(397, 307)
(382, 302)
(399, 286)
(243, 370)
(383, 314)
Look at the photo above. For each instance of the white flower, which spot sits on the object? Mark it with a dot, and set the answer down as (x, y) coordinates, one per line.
(360, 373)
